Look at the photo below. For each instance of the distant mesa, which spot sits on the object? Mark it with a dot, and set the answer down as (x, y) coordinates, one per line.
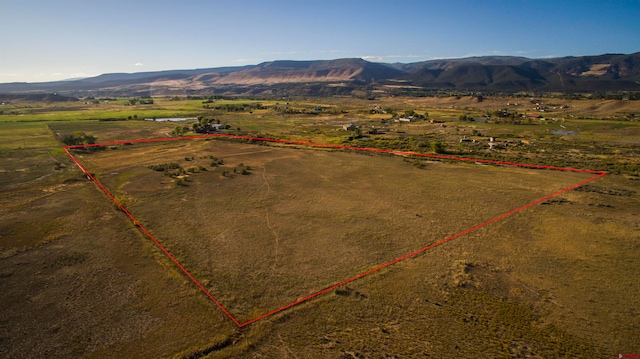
(608, 72)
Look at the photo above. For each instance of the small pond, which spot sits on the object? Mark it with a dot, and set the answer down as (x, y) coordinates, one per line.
(566, 133)
(172, 119)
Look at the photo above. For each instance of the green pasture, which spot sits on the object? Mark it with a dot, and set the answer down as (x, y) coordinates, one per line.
(25, 135)
(118, 109)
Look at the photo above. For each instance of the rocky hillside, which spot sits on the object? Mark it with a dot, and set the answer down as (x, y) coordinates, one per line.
(571, 74)
(609, 72)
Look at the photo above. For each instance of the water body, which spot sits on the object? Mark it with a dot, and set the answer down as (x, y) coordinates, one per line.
(171, 119)
(569, 133)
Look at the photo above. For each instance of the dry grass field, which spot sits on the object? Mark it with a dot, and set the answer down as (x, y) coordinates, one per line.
(302, 220)
(557, 280)
(74, 286)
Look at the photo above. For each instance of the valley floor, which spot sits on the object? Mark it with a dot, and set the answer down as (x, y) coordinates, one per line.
(80, 280)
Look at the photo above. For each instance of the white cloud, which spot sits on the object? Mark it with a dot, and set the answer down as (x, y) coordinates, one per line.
(403, 56)
(394, 57)
(372, 58)
(138, 64)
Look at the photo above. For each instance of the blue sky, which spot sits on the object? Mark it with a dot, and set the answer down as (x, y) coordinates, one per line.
(47, 40)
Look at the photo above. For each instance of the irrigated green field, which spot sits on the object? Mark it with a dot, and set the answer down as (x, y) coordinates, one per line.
(554, 280)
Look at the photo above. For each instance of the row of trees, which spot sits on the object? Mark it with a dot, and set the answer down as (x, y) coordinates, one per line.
(141, 101)
(234, 107)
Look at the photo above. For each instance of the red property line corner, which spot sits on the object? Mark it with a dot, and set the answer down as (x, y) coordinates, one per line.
(596, 175)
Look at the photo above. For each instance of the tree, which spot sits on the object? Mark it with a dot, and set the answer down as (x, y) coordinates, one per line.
(357, 133)
(439, 147)
(179, 131)
(78, 138)
(409, 113)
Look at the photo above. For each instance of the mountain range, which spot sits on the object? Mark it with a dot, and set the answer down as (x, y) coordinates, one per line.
(487, 74)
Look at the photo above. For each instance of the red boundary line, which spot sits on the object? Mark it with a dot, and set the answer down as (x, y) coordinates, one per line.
(597, 174)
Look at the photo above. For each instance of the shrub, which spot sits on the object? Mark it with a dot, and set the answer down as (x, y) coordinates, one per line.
(439, 147)
(165, 167)
(216, 162)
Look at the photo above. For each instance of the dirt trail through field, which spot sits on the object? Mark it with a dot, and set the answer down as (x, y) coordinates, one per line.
(266, 212)
(245, 153)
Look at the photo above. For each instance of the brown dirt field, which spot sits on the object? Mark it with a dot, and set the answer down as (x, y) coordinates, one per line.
(304, 220)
